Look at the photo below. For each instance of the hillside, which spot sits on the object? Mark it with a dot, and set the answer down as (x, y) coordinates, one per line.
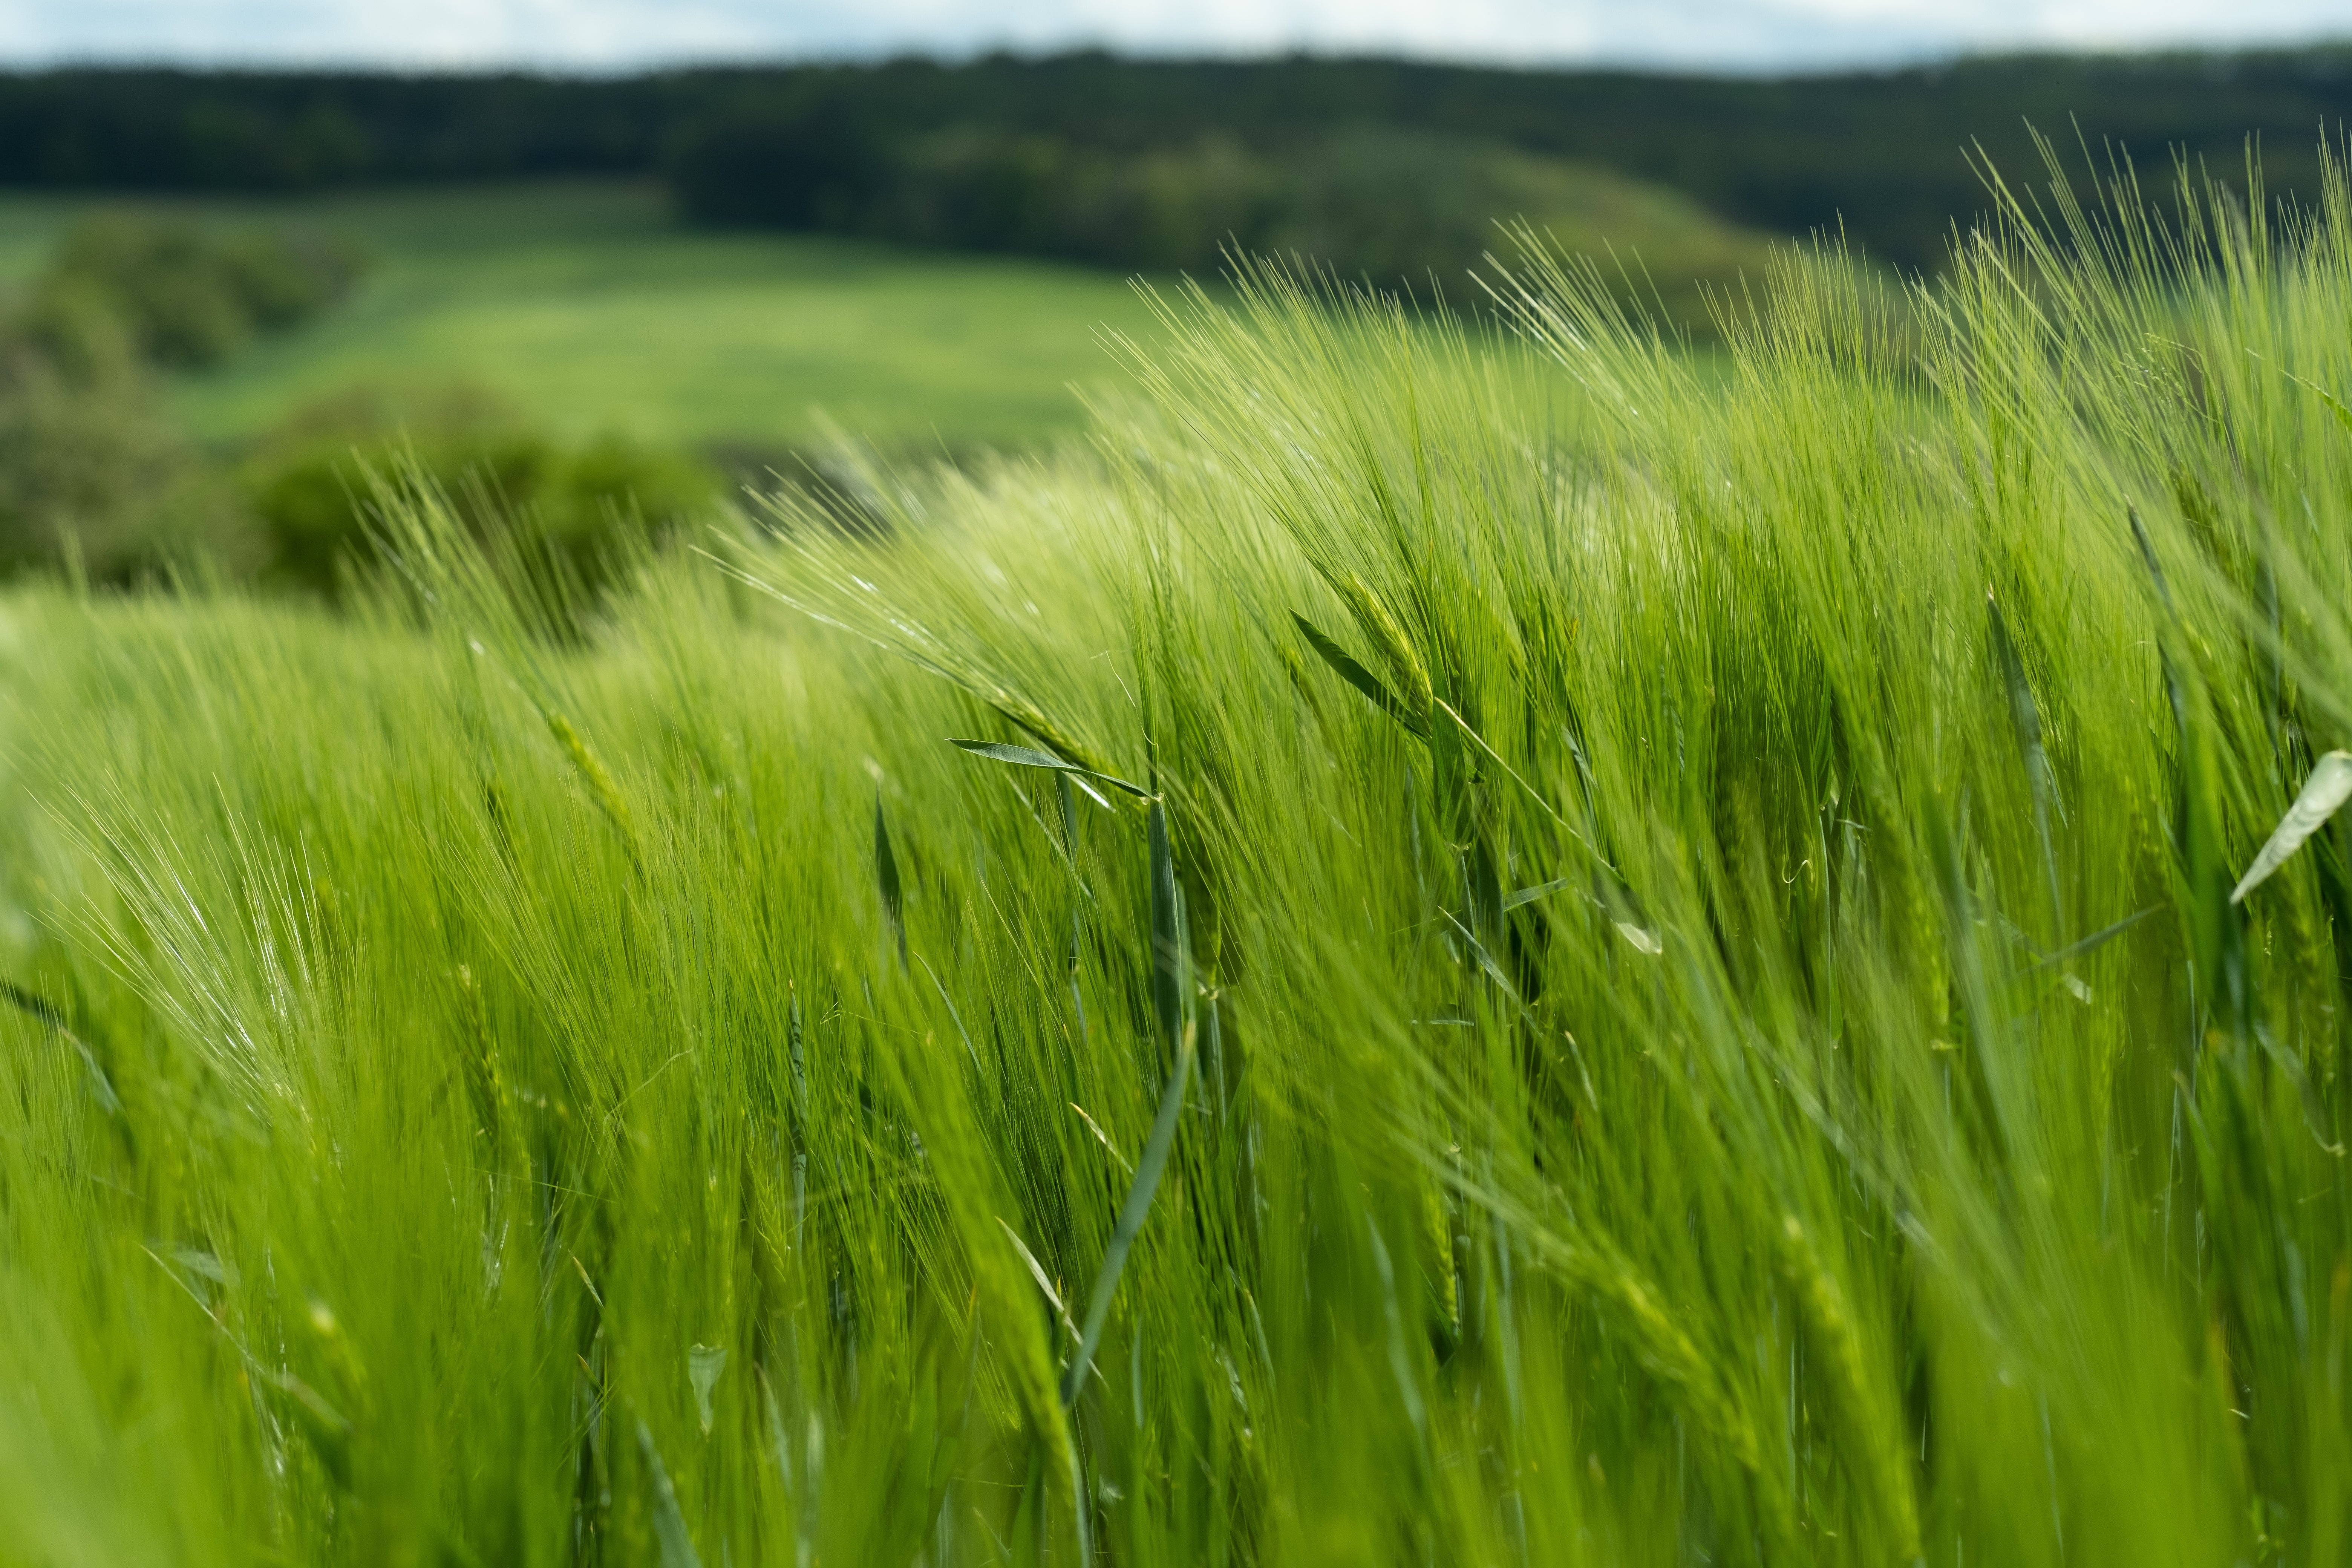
(589, 309)
(1885, 152)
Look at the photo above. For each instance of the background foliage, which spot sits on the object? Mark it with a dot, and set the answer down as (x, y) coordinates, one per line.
(1886, 153)
(1393, 206)
(571, 510)
(90, 471)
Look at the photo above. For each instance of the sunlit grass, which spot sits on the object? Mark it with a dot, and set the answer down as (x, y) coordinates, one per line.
(1699, 1018)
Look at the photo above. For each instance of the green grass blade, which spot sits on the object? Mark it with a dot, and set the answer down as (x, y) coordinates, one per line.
(1169, 968)
(1486, 965)
(1522, 896)
(2148, 558)
(2330, 786)
(1030, 757)
(2335, 403)
(599, 779)
(886, 876)
(669, 1524)
(1045, 1284)
(1351, 670)
(946, 1001)
(100, 1087)
(2025, 717)
(704, 1366)
(1168, 955)
(2096, 939)
(1131, 1216)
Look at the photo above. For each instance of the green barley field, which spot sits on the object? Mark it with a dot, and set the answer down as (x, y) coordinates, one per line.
(1372, 967)
(589, 309)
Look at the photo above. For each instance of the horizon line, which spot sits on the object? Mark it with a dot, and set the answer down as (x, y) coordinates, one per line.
(1886, 63)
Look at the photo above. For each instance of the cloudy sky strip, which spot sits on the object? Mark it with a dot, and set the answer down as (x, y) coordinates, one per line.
(606, 35)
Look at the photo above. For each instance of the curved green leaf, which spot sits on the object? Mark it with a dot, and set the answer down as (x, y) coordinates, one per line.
(1030, 757)
(1349, 669)
(2330, 786)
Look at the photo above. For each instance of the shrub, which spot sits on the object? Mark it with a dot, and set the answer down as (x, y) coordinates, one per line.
(573, 511)
(189, 298)
(73, 326)
(90, 472)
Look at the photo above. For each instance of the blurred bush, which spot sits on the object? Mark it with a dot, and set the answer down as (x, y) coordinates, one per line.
(1390, 207)
(92, 476)
(91, 473)
(186, 295)
(568, 516)
(99, 485)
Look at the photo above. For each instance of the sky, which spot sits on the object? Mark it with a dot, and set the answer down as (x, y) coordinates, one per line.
(621, 35)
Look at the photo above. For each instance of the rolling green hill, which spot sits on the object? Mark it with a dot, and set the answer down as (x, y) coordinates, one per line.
(585, 305)
(588, 309)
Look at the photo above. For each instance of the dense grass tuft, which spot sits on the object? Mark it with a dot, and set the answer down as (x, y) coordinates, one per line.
(1644, 957)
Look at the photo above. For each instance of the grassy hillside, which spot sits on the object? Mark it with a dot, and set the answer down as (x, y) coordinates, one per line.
(1397, 208)
(1362, 974)
(575, 349)
(586, 307)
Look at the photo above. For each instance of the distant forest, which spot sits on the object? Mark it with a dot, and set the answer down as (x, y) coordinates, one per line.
(1886, 153)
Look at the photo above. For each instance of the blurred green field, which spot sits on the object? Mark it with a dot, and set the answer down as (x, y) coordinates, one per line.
(589, 308)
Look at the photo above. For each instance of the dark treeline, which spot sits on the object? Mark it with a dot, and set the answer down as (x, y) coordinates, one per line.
(1885, 151)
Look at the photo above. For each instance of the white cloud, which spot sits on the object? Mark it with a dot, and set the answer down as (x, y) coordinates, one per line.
(617, 34)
